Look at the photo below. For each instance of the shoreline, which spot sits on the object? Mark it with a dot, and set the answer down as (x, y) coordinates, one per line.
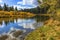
(11, 14)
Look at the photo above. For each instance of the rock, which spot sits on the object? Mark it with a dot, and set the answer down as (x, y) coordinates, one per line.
(3, 37)
(17, 33)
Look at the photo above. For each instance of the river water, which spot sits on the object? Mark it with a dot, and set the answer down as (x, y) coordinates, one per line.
(19, 27)
(19, 24)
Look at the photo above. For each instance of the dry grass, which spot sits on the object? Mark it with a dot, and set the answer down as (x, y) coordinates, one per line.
(16, 14)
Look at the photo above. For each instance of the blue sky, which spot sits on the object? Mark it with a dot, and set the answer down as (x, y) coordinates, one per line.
(20, 3)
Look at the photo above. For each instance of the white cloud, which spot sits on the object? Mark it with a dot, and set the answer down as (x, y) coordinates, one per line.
(19, 2)
(23, 7)
(26, 23)
(26, 4)
(0, 1)
(2, 5)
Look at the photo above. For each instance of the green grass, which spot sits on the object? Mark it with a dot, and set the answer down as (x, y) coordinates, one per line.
(44, 33)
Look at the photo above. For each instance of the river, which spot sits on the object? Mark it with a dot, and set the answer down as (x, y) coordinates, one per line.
(19, 27)
(22, 24)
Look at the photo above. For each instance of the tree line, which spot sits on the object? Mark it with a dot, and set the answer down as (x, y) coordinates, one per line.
(36, 10)
(7, 8)
(45, 7)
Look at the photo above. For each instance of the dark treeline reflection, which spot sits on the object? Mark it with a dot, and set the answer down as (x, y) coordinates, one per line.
(6, 20)
(37, 18)
(41, 18)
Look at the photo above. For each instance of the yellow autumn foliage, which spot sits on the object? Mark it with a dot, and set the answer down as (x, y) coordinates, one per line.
(17, 14)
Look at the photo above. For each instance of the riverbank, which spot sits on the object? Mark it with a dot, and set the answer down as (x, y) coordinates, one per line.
(49, 31)
(11, 14)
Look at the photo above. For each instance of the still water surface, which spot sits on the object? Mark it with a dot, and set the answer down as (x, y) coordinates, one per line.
(22, 24)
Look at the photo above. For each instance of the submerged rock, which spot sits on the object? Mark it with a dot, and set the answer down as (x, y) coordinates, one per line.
(17, 33)
(3, 37)
(12, 35)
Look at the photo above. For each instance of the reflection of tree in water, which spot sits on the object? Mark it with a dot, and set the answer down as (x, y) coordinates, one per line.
(41, 18)
(37, 18)
(6, 20)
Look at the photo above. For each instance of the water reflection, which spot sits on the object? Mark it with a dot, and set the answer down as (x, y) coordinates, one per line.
(23, 24)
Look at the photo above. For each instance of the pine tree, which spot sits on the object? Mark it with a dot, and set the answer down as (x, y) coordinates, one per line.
(16, 9)
(1, 8)
(11, 8)
(5, 7)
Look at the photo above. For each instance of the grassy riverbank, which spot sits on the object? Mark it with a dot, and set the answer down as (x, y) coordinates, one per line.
(50, 31)
(11, 14)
